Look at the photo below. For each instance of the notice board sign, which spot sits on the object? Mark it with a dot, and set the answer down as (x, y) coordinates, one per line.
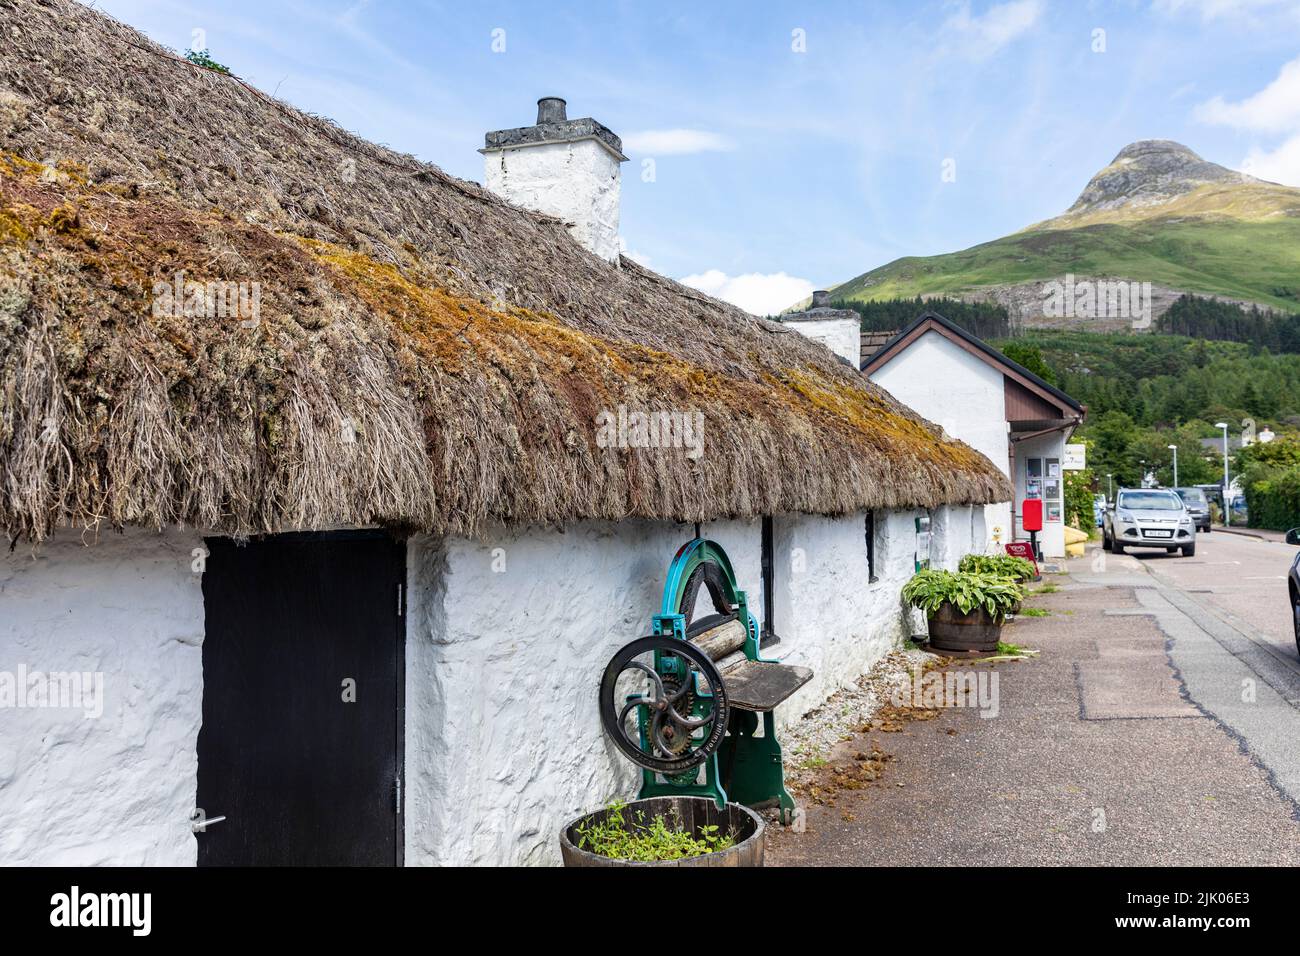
(1076, 457)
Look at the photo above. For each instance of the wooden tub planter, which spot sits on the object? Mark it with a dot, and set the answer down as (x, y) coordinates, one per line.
(975, 630)
(742, 825)
(965, 609)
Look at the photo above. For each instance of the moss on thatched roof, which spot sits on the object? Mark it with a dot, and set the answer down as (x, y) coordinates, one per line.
(425, 355)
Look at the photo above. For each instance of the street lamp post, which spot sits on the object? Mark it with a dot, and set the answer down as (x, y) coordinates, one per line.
(1110, 489)
(1227, 512)
(1175, 451)
(1142, 473)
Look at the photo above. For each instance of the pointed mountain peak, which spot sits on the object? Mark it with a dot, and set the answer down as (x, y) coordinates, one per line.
(1149, 150)
(1151, 172)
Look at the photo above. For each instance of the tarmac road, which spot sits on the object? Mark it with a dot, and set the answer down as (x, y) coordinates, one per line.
(1243, 577)
(1160, 725)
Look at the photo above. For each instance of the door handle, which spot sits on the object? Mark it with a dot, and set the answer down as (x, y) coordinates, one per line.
(201, 824)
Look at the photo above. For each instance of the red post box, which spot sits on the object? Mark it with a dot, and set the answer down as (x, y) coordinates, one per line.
(1031, 514)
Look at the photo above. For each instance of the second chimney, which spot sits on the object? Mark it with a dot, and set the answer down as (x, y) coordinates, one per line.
(840, 330)
(569, 169)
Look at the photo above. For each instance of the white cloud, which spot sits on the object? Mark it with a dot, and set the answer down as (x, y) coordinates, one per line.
(990, 31)
(675, 142)
(755, 292)
(1274, 109)
(1281, 165)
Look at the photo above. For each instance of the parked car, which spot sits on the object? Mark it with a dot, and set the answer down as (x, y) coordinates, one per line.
(1099, 509)
(1149, 518)
(1213, 494)
(1293, 586)
(1198, 506)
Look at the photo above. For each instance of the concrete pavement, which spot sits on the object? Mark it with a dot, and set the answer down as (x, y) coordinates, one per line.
(1151, 730)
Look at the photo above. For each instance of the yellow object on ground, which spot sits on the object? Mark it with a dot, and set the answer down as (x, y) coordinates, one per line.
(1075, 541)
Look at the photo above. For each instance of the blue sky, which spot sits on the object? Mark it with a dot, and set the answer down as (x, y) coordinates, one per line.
(795, 145)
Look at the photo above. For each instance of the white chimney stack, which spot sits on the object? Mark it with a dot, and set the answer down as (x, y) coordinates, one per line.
(564, 168)
(840, 330)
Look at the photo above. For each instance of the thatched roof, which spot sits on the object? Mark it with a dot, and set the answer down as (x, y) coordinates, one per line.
(427, 356)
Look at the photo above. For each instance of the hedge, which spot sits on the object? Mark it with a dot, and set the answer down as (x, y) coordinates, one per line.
(1273, 497)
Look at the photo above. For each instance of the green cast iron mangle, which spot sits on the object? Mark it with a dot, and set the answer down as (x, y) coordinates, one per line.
(696, 687)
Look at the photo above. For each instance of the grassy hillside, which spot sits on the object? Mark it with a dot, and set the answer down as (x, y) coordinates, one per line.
(1157, 213)
(1254, 260)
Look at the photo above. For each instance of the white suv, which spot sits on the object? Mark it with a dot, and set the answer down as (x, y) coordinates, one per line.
(1149, 518)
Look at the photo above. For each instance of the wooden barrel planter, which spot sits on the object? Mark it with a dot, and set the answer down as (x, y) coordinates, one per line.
(740, 822)
(951, 630)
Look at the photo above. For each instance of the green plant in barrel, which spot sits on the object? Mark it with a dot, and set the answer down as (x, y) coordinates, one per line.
(660, 838)
(1004, 565)
(967, 591)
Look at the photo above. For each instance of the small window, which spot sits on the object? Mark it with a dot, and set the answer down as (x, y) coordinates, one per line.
(872, 575)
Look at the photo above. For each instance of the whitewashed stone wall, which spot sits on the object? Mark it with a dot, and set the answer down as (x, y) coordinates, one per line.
(507, 638)
(576, 182)
(117, 789)
(957, 531)
(506, 641)
(828, 615)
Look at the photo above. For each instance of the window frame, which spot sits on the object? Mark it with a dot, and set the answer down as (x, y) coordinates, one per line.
(870, 531)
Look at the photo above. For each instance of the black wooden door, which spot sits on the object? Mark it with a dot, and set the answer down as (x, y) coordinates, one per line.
(300, 748)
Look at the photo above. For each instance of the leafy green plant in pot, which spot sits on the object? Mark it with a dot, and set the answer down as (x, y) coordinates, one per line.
(964, 609)
(1004, 565)
(665, 831)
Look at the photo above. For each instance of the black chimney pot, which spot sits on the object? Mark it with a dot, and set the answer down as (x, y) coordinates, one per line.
(551, 109)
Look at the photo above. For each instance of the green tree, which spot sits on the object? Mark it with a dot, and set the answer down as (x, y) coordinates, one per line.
(1079, 487)
(1112, 439)
(1270, 476)
(1030, 357)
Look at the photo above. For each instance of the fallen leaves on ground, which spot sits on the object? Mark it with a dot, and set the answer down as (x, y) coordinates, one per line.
(863, 769)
